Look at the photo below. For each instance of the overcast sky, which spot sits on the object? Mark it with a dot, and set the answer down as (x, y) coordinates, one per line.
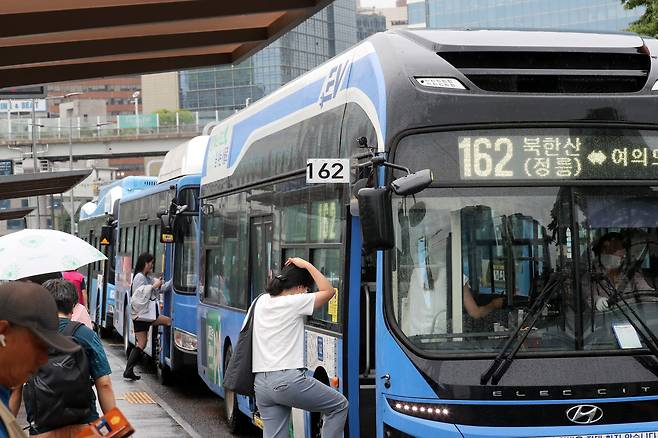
(378, 3)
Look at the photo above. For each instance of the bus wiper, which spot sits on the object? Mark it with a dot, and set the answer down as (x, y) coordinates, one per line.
(502, 362)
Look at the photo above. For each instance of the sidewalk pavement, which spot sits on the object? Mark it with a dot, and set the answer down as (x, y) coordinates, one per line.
(149, 415)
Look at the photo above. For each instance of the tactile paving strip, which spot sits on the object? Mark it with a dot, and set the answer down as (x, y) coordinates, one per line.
(138, 398)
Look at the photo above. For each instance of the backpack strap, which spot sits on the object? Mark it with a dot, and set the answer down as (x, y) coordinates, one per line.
(71, 328)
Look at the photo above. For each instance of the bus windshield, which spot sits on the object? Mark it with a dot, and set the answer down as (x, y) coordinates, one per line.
(469, 263)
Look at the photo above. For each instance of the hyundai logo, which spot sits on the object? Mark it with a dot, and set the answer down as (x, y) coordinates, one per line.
(584, 414)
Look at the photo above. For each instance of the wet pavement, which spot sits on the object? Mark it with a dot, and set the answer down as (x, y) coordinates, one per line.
(187, 408)
(188, 402)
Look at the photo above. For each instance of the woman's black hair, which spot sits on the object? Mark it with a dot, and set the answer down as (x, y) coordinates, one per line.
(64, 293)
(142, 260)
(290, 276)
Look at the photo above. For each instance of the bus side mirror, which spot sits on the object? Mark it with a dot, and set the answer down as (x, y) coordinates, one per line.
(376, 216)
(412, 183)
(166, 231)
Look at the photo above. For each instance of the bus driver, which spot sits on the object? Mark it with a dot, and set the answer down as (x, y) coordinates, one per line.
(607, 274)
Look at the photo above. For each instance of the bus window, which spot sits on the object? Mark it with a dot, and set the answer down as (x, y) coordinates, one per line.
(143, 239)
(159, 253)
(215, 288)
(225, 276)
(185, 269)
(152, 243)
(294, 223)
(260, 253)
(289, 253)
(130, 239)
(325, 221)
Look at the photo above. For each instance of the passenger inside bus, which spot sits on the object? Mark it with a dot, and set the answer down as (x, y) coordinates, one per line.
(609, 275)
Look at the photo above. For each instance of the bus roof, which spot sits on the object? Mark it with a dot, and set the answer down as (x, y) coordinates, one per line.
(524, 39)
(184, 159)
(500, 76)
(110, 193)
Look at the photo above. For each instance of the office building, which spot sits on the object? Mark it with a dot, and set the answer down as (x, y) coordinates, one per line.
(589, 15)
(115, 91)
(226, 89)
(368, 23)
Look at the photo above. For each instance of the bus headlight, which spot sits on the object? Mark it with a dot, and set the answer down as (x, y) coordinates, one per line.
(422, 410)
(184, 341)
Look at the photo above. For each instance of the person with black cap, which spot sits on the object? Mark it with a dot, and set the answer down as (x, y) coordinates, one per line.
(28, 328)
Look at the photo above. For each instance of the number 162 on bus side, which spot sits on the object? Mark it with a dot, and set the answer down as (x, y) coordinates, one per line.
(327, 170)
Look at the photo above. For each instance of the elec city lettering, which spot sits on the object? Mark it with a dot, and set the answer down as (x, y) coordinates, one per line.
(554, 157)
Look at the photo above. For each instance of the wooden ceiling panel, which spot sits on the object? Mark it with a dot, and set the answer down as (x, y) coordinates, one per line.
(45, 41)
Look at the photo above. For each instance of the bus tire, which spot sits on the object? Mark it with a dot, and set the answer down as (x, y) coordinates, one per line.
(235, 421)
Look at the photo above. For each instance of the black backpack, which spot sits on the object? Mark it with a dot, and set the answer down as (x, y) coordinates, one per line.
(60, 393)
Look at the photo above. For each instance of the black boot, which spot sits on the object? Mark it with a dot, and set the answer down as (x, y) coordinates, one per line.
(133, 359)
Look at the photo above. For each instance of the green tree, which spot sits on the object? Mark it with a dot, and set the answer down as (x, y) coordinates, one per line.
(168, 117)
(647, 24)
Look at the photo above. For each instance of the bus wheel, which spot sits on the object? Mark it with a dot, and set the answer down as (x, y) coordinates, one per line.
(234, 418)
(127, 347)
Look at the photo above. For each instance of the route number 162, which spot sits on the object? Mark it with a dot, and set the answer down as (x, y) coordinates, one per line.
(327, 170)
(478, 160)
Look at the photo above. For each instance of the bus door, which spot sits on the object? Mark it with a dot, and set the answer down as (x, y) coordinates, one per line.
(105, 276)
(260, 258)
(359, 348)
(88, 272)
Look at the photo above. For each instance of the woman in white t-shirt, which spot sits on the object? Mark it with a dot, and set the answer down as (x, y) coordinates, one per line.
(281, 382)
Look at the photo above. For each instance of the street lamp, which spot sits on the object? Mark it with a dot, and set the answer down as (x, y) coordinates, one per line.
(64, 97)
(99, 125)
(136, 101)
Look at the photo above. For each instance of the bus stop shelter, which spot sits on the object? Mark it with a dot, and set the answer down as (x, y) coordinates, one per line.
(43, 41)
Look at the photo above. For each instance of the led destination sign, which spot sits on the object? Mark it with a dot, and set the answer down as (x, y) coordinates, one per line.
(557, 154)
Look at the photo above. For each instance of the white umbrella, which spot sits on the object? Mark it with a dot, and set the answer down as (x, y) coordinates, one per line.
(33, 252)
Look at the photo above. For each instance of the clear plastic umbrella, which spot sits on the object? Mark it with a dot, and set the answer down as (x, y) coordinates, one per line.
(33, 252)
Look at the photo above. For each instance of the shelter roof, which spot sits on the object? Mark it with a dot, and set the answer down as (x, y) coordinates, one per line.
(45, 41)
(46, 183)
(14, 213)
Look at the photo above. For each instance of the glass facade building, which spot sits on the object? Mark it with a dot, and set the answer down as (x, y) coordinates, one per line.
(588, 15)
(369, 24)
(226, 89)
(416, 12)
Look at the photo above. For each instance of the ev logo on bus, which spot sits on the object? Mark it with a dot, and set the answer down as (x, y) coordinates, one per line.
(584, 414)
(333, 82)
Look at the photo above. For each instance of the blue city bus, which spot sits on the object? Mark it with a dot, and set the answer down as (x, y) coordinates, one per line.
(99, 276)
(169, 208)
(495, 252)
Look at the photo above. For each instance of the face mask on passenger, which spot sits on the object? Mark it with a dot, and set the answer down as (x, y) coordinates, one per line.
(611, 261)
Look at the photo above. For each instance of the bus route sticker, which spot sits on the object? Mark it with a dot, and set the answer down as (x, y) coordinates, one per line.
(327, 170)
(333, 306)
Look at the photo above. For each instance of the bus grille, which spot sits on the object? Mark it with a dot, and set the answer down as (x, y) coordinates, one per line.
(553, 72)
